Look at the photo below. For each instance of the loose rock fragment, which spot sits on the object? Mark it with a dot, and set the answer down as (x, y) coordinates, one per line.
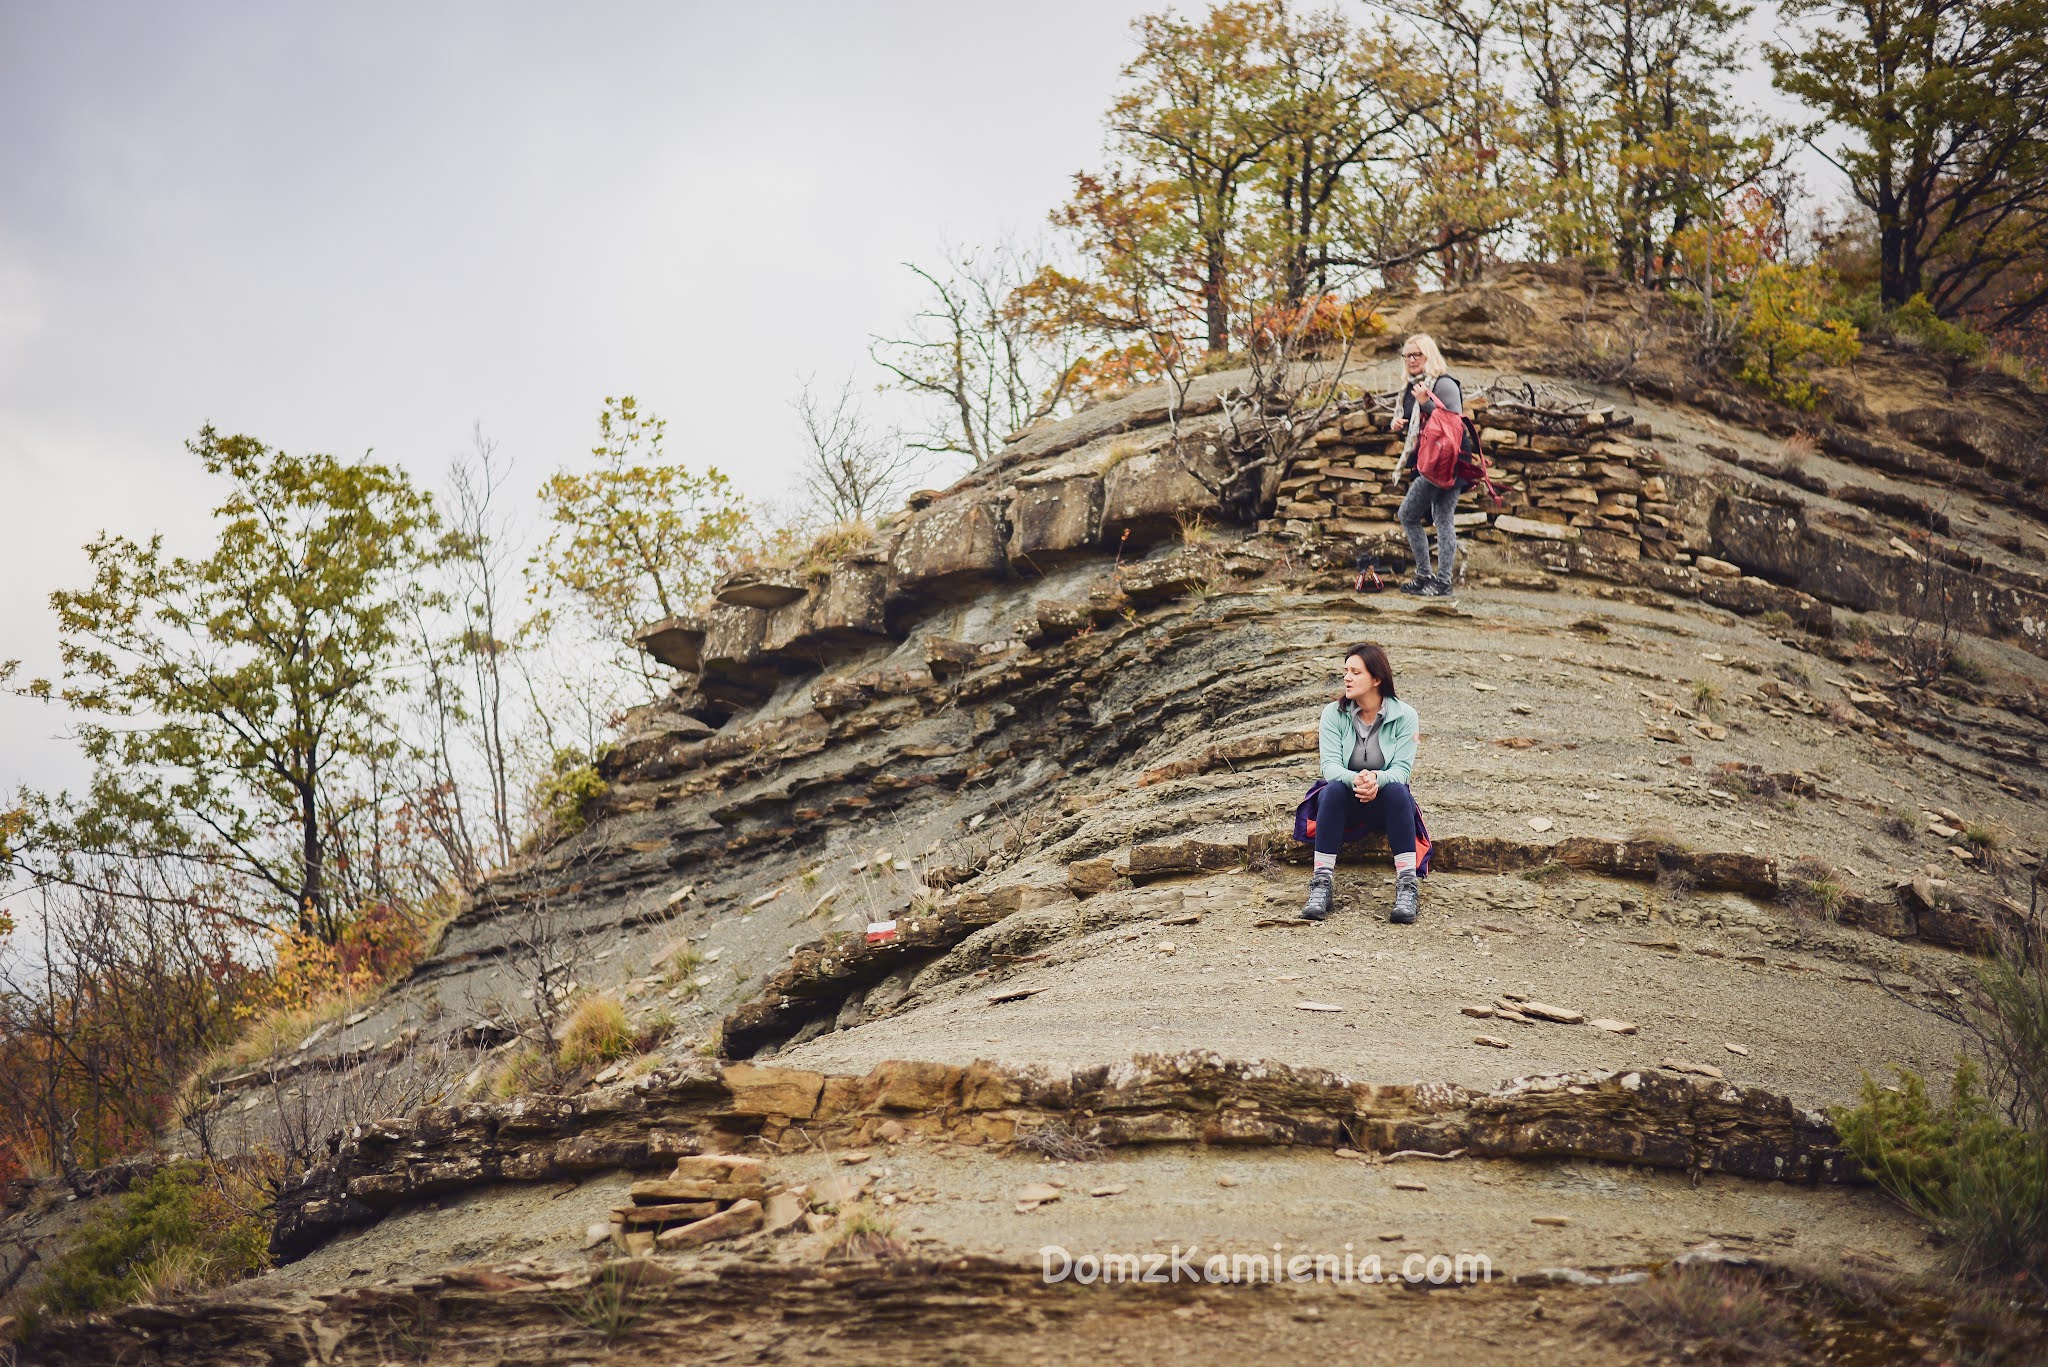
(1316, 1006)
(718, 1167)
(1540, 823)
(742, 1217)
(1679, 1065)
(1557, 1014)
(1490, 1041)
(1613, 1027)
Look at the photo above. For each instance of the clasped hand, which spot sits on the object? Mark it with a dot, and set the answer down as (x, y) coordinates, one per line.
(1367, 785)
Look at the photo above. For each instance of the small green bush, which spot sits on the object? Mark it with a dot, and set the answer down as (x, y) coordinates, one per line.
(174, 1232)
(1980, 1180)
(571, 786)
(1966, 669)
(524, 1072)
(1790, 323)
(1915, 321)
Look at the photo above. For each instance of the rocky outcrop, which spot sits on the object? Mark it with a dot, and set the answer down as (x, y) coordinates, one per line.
(1778, 542)
(479, 1316)
(1649, 1116)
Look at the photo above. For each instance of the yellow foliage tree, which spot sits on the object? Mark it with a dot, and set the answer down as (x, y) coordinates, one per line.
(637, 538)
(1786, 331)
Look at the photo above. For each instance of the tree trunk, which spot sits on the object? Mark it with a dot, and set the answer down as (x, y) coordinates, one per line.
(1218, 309)
(312, 919)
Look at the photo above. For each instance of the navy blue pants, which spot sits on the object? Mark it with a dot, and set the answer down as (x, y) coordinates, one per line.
(1341, 816)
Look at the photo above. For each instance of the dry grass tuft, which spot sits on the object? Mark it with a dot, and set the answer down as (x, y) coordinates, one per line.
(598, 1032)
(1705, 1313)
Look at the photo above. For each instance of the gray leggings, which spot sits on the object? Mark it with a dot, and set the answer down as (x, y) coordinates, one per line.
(1427, 503)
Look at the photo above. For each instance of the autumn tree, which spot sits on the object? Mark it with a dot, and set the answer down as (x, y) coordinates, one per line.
(1199, 112)
(1562, 135)
(1340, 98)
(128, 974)
(1257, 161)
(481, 594)
(1462, 190)
(636, 537)
(1945, 104)
(230, 702)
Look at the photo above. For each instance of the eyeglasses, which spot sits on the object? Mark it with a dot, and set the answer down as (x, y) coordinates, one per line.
(1411, 353)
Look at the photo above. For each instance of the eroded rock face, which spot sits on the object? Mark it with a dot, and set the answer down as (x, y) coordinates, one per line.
(1476, 318)
(947, 546)
(1055, 520)
(1777, 542)
(845, 610)
(1649, 1117)
(677, 642)
(1151, 496)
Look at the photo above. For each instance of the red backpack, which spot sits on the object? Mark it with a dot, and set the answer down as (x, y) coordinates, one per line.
(1448, 453)
(1439, 446)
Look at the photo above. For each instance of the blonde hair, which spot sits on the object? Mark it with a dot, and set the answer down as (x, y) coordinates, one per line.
(1432, 360)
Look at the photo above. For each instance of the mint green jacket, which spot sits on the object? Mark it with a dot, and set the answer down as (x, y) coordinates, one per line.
(1397, 726)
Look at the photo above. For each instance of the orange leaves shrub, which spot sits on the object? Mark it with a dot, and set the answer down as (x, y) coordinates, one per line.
(1322, 321)
(377, 944)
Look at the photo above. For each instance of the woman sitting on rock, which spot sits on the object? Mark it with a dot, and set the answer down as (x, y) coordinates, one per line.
(1427, 385)
(1368, 748)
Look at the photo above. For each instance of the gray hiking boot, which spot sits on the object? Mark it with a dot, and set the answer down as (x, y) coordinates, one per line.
(1407, 899)
(1322, 891)
(1420, 585)
(1437, 587)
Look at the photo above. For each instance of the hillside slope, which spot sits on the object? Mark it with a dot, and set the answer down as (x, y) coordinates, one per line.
(1053, 722)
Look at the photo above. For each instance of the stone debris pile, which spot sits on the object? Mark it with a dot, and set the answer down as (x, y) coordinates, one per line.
(708, 1199)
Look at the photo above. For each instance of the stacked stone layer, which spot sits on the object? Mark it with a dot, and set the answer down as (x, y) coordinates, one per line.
(1562, 478)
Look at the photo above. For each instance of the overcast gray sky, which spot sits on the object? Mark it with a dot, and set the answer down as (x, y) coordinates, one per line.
(363, 226)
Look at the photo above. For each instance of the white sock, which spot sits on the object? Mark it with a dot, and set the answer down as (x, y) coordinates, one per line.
(1404, 863)
(1325, 861)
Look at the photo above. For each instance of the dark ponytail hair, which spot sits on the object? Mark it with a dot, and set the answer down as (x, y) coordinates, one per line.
(1376, 664)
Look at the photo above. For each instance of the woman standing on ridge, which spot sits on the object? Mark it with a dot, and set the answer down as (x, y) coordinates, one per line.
(1367, 744)
(1427, 386)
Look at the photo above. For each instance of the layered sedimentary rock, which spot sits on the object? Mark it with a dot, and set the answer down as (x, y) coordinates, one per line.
(1649, 1117)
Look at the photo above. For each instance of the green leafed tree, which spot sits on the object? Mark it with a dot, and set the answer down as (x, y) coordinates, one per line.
(230, 702)
(1937, 112)
(636, 537)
